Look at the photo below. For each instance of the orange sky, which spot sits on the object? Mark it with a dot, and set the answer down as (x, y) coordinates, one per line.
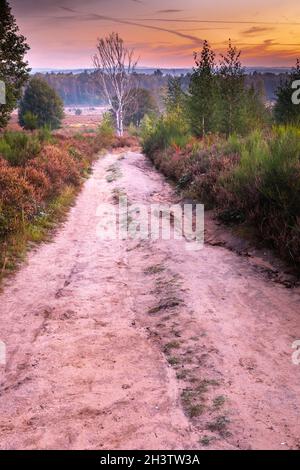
(63, 33)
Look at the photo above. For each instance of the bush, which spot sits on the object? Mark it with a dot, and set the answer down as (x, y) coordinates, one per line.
(255, 179)
(30, 121)
(58, 166)
(265, 188)
(17, 147)
(168, 130)
(17, 201)
(106, 131)
(40, 106)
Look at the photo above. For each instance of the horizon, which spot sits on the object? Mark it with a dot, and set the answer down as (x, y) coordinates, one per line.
(65, 33)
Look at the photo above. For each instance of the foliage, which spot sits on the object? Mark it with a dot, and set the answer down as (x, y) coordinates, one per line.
(30, 121)
(106, 130)
(220, 101)
(16, 198)
(17, 147)
(253, 179)
(203, 92)
(232, 92)
(14, 71)
(166, 131)
(39, 175)
(286, 112)
(42, 105)
(175, 97)
(141, 103)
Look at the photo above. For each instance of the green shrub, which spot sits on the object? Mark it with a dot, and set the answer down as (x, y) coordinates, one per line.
(265, 187)
(30, 121)
(255, 179)
(17, 147)
(106, 131)
(41, 102)
(168, 130)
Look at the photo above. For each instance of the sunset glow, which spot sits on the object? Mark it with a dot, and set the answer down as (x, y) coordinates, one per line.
(164, 34)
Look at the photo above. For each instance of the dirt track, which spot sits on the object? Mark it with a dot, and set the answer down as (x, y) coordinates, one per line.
(127, 344)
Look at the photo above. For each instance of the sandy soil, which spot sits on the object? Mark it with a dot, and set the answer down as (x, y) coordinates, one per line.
(145, 344)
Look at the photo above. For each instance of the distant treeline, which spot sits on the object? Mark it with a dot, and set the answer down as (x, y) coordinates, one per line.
(85, 88)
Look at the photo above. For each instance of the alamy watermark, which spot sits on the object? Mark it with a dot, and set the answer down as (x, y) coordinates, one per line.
(2, 92)
(152, 222)
(296, 354)
(296, 94)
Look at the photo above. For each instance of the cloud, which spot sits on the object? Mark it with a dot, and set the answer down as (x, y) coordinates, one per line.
(169, 11)
(70, 10)
(185, 20)
(96, 17)
(256, 30)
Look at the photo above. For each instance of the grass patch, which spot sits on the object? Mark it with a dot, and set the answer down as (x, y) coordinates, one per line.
(117, 194)
(219, 401)
(220, 425)
(207, 440)
(192, 403)
(166, 304)
(182, 374)
(172, 345)
(173, 361)
(156, 269)
(114, 173)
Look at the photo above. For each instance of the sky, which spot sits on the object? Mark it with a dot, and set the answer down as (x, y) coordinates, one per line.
(63, 33)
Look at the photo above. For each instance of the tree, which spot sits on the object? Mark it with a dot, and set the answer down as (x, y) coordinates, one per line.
(142, 103)
(286, 111)
(14, 71)
(202, 92)
(232, 91)
(116, 67)
(42, 105)
(174, 99)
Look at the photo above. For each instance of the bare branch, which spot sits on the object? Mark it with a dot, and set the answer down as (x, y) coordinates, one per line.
(116, 66)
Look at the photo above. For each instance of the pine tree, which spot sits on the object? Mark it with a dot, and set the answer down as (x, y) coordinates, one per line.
(14, 71)
(174, 99)
(232, 91)
(287, 112)
(40, 106)
(202, 92)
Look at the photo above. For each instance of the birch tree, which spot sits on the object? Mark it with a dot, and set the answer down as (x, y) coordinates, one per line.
(116, 66)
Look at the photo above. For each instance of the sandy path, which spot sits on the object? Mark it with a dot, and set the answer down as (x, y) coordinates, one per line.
(127, 344)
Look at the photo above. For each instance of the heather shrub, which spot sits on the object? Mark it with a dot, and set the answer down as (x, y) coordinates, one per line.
(17, 198)
(263, 188)
(59, 166)
(38, 179)
(254, 179)
(37, 190)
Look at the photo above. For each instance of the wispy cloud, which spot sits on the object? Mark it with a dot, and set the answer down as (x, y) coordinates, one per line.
(96, 17)
(256, 30)
(188, 20)
(169, 11)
